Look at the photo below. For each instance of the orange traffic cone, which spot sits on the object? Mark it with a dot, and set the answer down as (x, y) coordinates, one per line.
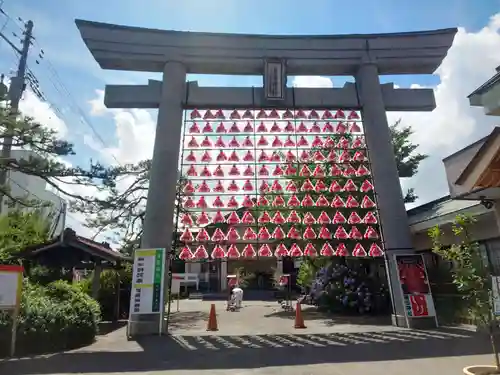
(212, 319)
(299, 319)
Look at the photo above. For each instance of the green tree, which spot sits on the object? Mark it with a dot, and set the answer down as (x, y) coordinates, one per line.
(308, 269)
(123, 210)
(19, 229)
(407, 158)
(470, 274)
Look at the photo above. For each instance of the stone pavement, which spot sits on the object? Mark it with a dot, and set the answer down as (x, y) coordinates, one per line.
(262, 317)
(258, 348)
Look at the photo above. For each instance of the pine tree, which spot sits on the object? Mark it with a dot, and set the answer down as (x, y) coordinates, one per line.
(122, 211)
(47, 161)
(19, 229)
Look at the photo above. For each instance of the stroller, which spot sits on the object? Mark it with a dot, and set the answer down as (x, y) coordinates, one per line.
(231, 304)
(234, 301)
(284, 293)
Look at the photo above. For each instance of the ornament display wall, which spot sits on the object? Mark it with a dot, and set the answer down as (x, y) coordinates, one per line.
(263, 183)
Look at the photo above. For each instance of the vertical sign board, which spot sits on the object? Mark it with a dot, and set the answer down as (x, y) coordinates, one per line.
(11, 278)
(274, 80)
(148, 277)
(415, 288)
(11, 282)
(175, 289)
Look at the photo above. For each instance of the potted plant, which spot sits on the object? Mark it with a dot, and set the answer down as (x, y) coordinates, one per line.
(472, 278)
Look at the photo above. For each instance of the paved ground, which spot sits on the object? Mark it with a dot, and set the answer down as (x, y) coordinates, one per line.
(260, 340)
(261, 317)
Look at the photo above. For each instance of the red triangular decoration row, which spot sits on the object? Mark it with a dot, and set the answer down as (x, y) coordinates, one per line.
(276, 142)
(272, 114)
(278, 170)
(278, 218)
(278, 233)
(277, 187)
(333, 156)
(282, 201)
(281, 250)
(289, 127)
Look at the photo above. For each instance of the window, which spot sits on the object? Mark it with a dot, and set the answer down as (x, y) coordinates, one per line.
(491, 253)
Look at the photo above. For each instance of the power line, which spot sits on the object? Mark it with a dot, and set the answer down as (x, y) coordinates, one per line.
(15, 92)
(10, 19)
(59, 85)
(26, 76)
(56, 82)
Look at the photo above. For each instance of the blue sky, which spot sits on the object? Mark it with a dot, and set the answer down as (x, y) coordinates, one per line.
(68, 61)
(66, 54)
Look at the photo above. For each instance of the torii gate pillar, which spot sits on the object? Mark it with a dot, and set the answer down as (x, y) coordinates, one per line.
(177, 53)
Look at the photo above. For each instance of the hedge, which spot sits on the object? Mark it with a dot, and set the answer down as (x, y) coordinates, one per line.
(52, 318)
(107, 292)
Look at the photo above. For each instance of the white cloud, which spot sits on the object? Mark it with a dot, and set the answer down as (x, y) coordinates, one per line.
(31, 106)
(42, 112)
(135, 132)
(312, 81)
(454, 123)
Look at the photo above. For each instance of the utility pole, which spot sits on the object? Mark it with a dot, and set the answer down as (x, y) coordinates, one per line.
(17, 86)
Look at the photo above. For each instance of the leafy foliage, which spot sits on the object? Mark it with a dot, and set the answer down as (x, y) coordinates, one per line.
(345, 288)
(19, 229)
(470, 274)
(308, 269)
(107, 292)
(55, 317)
(407, 159)
(123, 210)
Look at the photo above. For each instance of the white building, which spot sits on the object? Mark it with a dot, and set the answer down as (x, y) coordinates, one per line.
(32, 187)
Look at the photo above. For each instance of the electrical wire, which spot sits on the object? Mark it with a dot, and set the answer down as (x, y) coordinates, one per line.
(34, 85)
(10, 19)
(58, 84)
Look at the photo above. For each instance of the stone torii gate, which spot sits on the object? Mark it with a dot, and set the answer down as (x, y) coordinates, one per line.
(175, 54)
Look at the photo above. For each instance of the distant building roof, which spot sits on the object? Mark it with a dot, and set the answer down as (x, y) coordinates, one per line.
(487, 142)
(438, 207)
(485, 87)
(69, 239)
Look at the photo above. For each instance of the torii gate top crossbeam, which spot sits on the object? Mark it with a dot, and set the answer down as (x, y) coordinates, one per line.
(119, 47)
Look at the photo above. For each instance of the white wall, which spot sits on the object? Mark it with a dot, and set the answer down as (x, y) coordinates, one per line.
(32, 187)
(490, 101)
(455, 164)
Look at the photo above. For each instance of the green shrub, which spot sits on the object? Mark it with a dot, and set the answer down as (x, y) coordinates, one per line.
(107, 291)
(54, 317)
(43, 275)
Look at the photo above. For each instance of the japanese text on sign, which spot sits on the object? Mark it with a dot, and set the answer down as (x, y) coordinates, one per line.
(147, 281)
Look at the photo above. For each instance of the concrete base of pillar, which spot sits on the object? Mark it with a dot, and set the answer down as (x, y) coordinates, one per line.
(145, 325)
(413, 323)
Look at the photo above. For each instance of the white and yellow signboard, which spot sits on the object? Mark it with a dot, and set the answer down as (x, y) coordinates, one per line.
(11, 278)
(147, 282)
